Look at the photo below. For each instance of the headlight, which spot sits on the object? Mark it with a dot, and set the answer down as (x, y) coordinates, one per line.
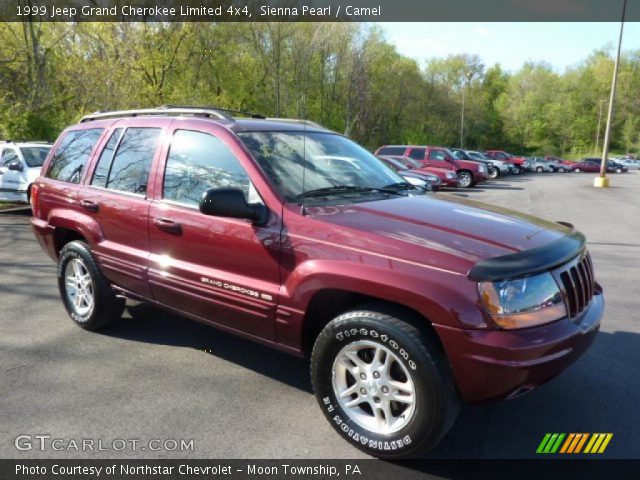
(524, 302)
(450, 175)
(482, 168)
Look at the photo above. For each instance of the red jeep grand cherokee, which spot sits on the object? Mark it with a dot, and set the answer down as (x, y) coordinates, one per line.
(296, 237)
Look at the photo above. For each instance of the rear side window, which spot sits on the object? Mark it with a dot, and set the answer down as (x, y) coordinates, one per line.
(128, 170)
(106, 157)
(417, 153)
(72, 154)
(198, 161)
(392, 151)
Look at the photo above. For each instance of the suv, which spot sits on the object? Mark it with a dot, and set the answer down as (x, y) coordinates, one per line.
(20, 164)
(521, 164)
(294, 236)
(469, 172)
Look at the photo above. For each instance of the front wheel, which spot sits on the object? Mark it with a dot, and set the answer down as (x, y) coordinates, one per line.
(618, 170)
(465, 179)
(561, 169)
(494, 173)
(517, 170)
(383, 385)
(539, 169)
(577, 170)
(86, 293)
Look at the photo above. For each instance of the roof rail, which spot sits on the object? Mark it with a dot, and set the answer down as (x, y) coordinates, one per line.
(218, 109)
(296, 120)
(162, 110)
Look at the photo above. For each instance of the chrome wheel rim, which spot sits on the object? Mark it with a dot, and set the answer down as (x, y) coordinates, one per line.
(464, 180)
(79, 287)
(373, 387)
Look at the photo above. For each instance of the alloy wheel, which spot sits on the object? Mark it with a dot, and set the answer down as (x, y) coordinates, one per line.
(79, 286)
(373, 387)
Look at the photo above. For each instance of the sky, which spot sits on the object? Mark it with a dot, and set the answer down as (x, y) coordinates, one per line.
(510, 44)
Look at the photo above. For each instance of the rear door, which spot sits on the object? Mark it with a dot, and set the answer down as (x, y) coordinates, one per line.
(221, 270)
(116, 195)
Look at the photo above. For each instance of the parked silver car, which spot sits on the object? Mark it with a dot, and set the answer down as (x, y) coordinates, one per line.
(538, 164)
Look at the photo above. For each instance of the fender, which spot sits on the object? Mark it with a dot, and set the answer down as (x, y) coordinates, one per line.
(81, 222)
(430, 295)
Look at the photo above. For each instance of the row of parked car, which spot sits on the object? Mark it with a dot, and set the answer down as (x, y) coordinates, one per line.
(429, 167)
(437, 167)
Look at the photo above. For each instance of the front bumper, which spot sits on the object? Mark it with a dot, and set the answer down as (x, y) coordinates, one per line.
(480, 177)
(499, 364)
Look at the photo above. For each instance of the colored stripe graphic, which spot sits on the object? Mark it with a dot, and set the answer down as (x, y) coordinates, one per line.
(574, 443)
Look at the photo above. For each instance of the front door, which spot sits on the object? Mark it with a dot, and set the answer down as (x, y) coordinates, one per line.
(221, 270)
(438, 158)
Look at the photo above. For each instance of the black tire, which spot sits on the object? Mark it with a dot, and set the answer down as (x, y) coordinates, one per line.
(577, 170)
(105, 308)
(561, 169)
(539, 169)
(618, 170)
(518, 169)
(436, 402)
(465, 179)
(494, 173)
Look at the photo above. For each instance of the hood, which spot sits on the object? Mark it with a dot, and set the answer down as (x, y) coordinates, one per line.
(471, 164)
(440, 230)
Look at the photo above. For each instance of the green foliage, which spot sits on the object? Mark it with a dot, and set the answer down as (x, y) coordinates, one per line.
(345, 76)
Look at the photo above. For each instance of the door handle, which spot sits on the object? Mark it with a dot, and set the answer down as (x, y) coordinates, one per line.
(89, 205)
(167, 225)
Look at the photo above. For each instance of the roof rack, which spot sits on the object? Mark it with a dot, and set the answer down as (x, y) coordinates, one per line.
(296, 120)
(162, 110)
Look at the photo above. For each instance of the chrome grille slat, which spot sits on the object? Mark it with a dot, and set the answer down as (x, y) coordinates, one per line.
(577, 281)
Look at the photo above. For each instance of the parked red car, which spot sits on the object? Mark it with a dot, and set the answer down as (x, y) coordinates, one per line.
(469, 172)
(448, 178)
(519, 162)
(294, 236)
(593, 165)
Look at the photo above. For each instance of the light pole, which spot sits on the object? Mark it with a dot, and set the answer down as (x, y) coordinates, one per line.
(602, 180)
(468, 77)
(601, 102)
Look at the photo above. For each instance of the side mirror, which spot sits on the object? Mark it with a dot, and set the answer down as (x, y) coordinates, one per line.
(230, 202)
(15, 166)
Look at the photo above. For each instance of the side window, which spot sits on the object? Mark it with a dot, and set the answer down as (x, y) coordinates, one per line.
(72, 154)
(106, 157)
(129, 171)
(417, 153)
(198, 161)
(436, 155)
(8, 156)
(392, 151)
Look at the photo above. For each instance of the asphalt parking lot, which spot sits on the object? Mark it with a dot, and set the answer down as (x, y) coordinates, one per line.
(159, 376)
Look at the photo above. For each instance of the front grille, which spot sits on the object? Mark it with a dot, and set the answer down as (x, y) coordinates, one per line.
(578, 284)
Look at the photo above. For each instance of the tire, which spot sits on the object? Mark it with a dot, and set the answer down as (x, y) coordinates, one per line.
(416, 362)
(518, 170)
(494, 173)
(79, 277)
(539, 169)
(577, 170)
(465, 179)
(561, 169)
(618, 170)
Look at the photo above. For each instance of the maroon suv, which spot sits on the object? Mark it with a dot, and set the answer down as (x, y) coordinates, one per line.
(294, 236)
(469, 172)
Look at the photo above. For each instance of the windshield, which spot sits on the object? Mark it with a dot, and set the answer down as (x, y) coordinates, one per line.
(35, 156)
(330, 160)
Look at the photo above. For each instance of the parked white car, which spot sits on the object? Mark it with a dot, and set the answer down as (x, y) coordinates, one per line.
(629, 163)
(20, 165)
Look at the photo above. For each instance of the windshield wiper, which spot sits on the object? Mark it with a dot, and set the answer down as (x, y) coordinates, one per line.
(336, 189)
(394, 187)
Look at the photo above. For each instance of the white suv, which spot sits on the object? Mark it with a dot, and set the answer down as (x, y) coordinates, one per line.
(20, 165)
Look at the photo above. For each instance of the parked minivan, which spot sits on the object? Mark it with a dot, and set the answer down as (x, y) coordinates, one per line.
(295, 237)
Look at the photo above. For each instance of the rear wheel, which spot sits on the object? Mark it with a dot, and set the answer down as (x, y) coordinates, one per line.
(465, 179)
(561, 169)
(539, 169)
(383, 385)
(577, 170)
(85, 291)
(517, 170)
(618, 170)
(494, 173)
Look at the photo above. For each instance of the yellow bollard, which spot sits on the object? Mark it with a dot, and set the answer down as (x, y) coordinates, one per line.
(601, 182)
